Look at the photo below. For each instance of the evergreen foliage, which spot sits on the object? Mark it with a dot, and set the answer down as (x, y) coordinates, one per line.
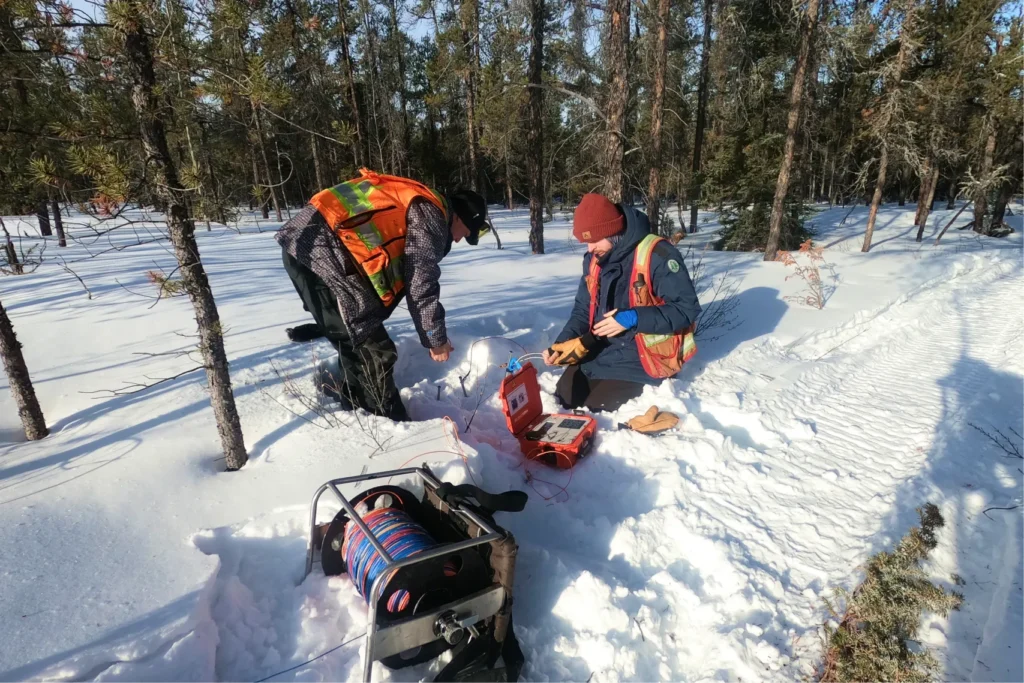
(877, 624)
(266, 101)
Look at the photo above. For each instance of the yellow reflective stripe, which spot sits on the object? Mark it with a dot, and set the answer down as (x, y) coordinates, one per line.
(689, 345)
(379, 284)
(643, 251)
(653, 339)
(354, 196)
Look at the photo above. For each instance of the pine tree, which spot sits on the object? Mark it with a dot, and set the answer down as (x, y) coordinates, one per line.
(888, 123)
(535, 130)
(657, 103)
(128, 17)
(807, 29)
(616, 95)
(702, 106)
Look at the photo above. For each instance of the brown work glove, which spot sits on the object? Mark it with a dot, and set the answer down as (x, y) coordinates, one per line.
(571, 351)
(652, 422)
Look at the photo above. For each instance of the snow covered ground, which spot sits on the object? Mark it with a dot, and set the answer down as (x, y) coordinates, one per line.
(808, 437)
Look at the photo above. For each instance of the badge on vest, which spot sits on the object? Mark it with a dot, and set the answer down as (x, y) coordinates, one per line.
(673, 265)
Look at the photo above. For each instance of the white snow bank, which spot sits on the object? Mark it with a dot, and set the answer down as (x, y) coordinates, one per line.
(806, 441)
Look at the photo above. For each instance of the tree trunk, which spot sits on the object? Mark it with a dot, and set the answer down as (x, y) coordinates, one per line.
(43, 217)
(821, 189)
(258, 186)
(20, 381)
(617, 54)
(661, 56)
(508, 177)
(221, 214)
(359, 148)
(951, 222)
(163, 180)
(926, 209)
(372, 63)
(58, 223)
(402, 93)
(902, 58)
(469, 16)
(810, 22)
(702, 106)
(535, 133)
(280, 178)
(13, 264)
(320, 185)
(981, 200)
(831, 184)
(680, 202)
(999, 210)
(951, 192)
(926, 174)
(876, 198)
(266, 163)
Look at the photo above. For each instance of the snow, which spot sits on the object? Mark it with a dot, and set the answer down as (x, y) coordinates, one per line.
(807, 438)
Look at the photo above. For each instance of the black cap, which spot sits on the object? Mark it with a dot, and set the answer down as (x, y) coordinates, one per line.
(471, 209)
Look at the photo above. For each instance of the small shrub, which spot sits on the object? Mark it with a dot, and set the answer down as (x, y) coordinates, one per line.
(807, 271)
(877, 623)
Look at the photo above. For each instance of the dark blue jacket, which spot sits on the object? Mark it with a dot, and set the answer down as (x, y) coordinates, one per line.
(618, 358)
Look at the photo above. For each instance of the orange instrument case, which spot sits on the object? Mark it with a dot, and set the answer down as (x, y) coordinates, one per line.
(558, 439)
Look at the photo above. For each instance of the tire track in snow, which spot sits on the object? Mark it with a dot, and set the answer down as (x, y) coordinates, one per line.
(876, 413)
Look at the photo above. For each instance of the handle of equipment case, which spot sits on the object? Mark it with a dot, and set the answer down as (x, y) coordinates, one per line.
(510, 501)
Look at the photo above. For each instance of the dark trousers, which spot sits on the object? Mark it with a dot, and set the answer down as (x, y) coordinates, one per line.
(576, 390)
(367, 370)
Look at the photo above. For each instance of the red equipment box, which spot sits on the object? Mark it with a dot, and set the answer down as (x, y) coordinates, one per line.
(558, 439)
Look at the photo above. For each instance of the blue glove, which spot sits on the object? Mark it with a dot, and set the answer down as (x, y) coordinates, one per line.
(627, 318)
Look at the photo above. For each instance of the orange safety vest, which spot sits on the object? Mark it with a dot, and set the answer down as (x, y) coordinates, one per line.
(368, 214)
(662, 355)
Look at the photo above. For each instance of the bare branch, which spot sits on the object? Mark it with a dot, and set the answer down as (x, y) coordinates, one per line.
(1005, 443)
(136, 387)
(64, 265)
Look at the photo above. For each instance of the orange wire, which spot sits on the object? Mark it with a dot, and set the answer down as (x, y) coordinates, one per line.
(530, 477)
(455, 443)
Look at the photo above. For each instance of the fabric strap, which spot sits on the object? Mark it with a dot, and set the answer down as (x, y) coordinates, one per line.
(510, 501)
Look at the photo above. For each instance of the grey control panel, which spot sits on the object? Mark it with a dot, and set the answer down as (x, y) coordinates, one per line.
(557, 429)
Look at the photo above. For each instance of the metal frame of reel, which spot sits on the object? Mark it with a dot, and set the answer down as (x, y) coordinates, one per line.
(449, 621)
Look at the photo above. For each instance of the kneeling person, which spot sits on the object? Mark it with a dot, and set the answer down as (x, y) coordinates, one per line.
(354, 253)
(633, 321)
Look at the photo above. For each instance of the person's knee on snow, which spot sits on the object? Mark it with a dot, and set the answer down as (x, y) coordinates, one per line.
(575, 390)
(336, 259)
(635, 311)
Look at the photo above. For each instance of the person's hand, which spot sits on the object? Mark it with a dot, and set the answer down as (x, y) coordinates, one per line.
(569, 352)
(609, 326)
(440, 354)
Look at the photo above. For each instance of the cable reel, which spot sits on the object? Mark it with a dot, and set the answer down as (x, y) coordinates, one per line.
(436, 573)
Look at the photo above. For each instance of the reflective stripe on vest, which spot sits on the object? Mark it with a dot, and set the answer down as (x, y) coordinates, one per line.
(368, 214)
(662, 355)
